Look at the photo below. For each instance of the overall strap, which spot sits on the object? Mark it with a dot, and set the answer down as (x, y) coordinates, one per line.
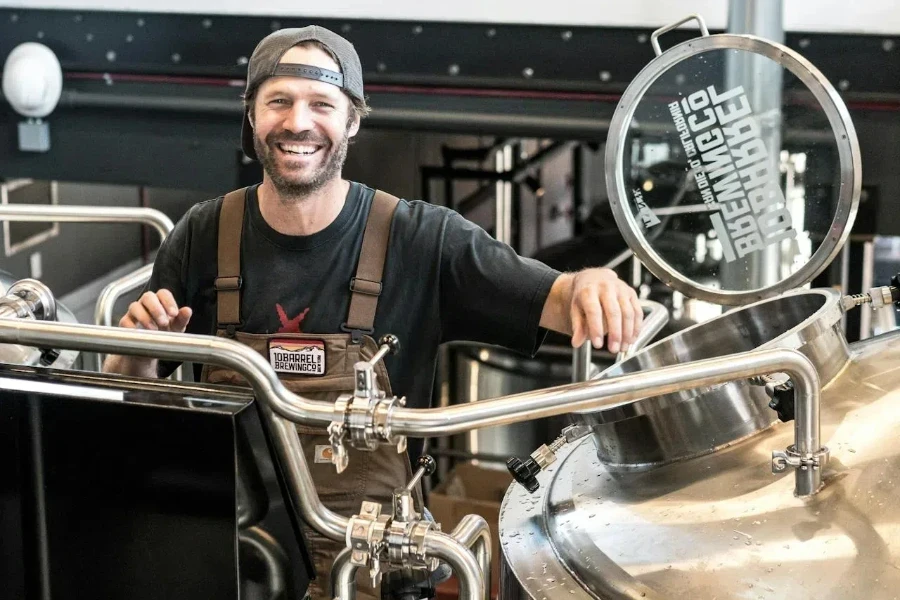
(366, 286)
(228, 281)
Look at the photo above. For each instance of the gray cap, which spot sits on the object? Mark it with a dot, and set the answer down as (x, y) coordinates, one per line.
(265, 63)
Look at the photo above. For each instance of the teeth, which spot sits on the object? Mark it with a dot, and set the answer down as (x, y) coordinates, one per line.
(299, 149)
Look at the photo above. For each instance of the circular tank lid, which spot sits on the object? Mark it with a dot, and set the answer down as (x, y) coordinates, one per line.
(733, 168)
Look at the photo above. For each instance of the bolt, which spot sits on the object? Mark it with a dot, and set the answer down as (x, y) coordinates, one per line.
(887, 45)
(346, 27)
(642, 39)
(111, 56)
(129, 38)
(605, 76)
(242, 60)
(453, 70)
(140, 22)
(14, 17)
(417, 30)
(275, 25)
(381, 67)
(490, 32)
(40, 35)
(207, 23)
(804, 42)
(843, 84)
(176, 58)
(528, 72)
(89, 37)
(78, 18)
(566, 35)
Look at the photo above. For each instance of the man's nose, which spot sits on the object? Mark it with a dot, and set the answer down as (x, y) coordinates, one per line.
(299, 119)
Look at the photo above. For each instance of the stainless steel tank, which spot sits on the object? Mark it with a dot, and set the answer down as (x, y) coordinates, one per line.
(676, 496)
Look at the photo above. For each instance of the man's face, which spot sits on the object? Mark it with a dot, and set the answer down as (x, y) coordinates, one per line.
(301, 127)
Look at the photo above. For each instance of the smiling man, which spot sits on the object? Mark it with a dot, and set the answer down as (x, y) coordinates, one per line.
(309, 269)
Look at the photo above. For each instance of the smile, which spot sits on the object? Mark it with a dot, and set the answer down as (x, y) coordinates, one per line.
(299, 149)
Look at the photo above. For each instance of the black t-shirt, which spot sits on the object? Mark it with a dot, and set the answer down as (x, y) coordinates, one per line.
(444, 279)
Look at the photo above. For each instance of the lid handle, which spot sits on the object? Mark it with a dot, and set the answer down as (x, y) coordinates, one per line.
(654, 37)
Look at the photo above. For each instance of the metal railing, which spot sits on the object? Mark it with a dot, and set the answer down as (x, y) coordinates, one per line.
(97, 214)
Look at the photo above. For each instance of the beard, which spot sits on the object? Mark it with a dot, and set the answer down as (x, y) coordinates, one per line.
(298, 183)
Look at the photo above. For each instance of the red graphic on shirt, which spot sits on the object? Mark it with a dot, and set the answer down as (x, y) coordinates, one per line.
(290, 325)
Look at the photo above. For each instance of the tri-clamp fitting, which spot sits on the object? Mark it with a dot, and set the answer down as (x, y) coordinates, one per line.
(386, 542)
(362, 417)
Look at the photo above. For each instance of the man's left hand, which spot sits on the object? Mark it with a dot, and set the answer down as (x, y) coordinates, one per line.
(591, 304)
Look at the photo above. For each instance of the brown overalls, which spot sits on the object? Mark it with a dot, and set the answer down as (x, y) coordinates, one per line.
(369, 475)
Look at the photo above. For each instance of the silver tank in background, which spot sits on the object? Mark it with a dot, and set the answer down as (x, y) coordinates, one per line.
(681, 496)
(36, 299)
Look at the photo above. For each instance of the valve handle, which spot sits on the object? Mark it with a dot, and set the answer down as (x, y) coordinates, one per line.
(524, 472)
(391, 341)
(427, 464)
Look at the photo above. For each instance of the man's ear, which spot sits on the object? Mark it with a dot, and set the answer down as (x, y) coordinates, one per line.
(354, 125)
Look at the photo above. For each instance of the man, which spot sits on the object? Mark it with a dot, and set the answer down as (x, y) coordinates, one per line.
(270, 266)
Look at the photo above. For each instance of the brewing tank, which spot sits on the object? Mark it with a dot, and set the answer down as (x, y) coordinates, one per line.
(683, 495)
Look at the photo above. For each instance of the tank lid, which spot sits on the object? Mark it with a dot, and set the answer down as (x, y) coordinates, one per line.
(732, 168)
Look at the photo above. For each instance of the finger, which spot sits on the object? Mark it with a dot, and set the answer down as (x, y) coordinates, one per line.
(593, 313)
(168, 302)
(128, 322)
(180, 322)
(638, 314)
(610, 303)
(139, 315)
(150, 302)
(627, 320)
(578, 332)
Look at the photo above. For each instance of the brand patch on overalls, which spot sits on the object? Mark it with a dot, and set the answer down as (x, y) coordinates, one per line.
(301, 357)
(324, 454)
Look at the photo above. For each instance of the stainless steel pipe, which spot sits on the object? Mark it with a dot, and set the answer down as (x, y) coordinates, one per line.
(87, 214)
(343, 576)
(475, 533)
(454, 553)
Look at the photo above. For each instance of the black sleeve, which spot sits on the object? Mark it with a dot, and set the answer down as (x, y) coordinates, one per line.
(489, 293)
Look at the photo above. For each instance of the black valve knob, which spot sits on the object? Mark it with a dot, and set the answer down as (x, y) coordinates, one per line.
(524, 472)
(427, 464)
(391, 341)
(783, 401)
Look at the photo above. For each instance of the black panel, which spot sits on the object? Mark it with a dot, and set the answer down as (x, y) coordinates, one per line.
(141, 498)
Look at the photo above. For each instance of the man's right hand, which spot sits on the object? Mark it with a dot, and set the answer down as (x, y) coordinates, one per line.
(156, 311)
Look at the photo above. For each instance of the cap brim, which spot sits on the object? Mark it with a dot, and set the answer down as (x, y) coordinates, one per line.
(247, 139)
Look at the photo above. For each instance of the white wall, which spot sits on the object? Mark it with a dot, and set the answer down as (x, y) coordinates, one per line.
(860, 16)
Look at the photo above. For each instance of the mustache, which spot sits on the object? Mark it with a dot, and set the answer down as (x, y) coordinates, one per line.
(306, 136)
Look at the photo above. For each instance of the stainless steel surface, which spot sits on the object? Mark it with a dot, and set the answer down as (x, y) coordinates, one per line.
(721, 525)
(343, 576)
(87, 214)
(455, 554)
(473, 532)
(844, 136)
(673, 427)
(868, 276)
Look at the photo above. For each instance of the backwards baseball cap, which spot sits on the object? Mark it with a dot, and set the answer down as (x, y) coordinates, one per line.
(264, 63)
